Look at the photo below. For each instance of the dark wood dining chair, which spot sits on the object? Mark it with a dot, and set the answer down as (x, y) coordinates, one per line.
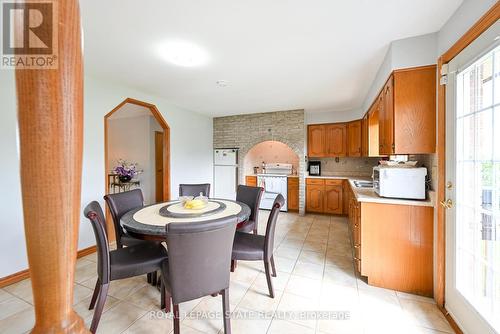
(194, 189)
(198, 263)
(118, 205)
(251, 196)
(120, 263)
(251, 247)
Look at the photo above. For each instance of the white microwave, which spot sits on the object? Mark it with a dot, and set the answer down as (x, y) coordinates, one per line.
(400, 182)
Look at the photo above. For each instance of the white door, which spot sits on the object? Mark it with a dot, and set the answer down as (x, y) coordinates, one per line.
(473, 185)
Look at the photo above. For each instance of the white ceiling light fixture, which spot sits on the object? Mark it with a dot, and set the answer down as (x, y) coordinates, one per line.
(183, 53)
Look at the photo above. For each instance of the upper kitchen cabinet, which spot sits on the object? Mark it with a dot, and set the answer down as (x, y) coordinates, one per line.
(354, 138)
(364, 136)
(316, 141)
(407, 112)
(373, 129)
(327, 140)
(336, 140)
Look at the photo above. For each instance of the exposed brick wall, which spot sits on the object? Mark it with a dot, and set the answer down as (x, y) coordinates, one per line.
(246, 131)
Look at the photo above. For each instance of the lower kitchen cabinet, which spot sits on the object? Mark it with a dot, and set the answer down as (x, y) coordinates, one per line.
(324, 196)
(251, 180)
(393, 245)
(333, 197)
(293, 194)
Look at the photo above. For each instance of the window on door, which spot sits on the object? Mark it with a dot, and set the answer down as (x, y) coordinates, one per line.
(478, 185)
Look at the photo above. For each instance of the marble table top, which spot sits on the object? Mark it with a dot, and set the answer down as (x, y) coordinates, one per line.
(147, 221)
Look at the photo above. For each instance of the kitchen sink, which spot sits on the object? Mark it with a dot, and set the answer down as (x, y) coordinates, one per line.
(363, 184)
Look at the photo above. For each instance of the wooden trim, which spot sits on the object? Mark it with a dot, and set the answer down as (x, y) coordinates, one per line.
(166, 151)
(24, 274)
(487, 20)
(450, 320)
(14, 278)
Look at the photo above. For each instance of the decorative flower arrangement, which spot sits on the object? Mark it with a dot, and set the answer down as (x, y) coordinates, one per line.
(126, 171)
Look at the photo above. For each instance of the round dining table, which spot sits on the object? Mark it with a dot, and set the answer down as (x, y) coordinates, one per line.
(148, 223)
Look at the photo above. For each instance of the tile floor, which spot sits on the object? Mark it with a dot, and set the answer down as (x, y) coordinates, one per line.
(315, 273)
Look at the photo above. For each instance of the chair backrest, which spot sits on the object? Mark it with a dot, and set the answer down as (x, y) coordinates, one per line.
(271, 226)
(93, 212)
(251, 196)
(194, 189)
(199, 257)
(121, 203)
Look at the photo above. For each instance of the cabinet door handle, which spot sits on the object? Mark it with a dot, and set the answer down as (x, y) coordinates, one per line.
(357, 246)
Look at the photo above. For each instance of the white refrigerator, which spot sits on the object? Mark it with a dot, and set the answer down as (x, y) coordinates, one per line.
(225, 173)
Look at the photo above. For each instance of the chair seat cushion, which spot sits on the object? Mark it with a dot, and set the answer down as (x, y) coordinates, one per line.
(246, 226)
(248, 246)
(128, 241)
(136, 260)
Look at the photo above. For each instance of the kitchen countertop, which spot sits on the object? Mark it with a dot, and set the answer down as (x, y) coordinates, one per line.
(369, 195)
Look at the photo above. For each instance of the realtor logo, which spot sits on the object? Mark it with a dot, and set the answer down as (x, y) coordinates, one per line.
(29, 34)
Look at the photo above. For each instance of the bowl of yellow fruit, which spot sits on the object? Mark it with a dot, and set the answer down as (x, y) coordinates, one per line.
(195, 204)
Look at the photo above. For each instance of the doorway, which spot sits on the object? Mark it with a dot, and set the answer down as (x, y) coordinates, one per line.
(472, 293)
(137, 139)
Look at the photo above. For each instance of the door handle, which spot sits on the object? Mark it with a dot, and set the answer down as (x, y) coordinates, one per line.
(448, 204)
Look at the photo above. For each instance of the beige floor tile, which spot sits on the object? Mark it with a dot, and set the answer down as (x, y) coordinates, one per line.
(152, 322)
(341, 276)
(81, 292)
(287, 252)
(85, 272)
(147, 298)
(292, 243)
(339, 327)
(22, 290)
(308, 270)
(312, 257)
(314, 246)
(403, 295)
(303, 286)
(279, 282)
(244, 273)
(11, 306)
(296, 304)
(91, 257)
(82, 262)
(425, 315)
(4, 295)
(259, 300)
(19, 322)
(206, 316)
(283, 264)
(338, 298)
(286, 327)
(119, 318)
(338, 261)
(121, 289)
(245, 321)
(237, 290)
(82, 308)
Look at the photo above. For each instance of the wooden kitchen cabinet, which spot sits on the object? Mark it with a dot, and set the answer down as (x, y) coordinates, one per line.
(327, 140)
(364, 136)
(293, 194)
(407, 112)
(324, 195)
(315, 198)
(316, 141)
(251, 180)
(333, 198)
(336, 140)
(354, 138)
(373, 129)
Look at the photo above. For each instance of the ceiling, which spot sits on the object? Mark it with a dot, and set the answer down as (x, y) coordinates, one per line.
(319, 55)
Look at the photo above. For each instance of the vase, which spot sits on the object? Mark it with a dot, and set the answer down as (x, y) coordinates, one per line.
(125, 178)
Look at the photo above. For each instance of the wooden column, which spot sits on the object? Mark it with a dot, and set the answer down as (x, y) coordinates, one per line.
(50, 112)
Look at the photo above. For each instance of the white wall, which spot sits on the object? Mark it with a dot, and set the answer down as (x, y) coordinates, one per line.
(332, 116)
(403, 53)
(132, 139)
(190, 151)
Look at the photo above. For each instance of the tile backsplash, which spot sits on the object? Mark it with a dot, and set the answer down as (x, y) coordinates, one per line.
(347, 166)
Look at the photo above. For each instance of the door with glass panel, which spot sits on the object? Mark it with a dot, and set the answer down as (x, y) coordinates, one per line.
(473, 185)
